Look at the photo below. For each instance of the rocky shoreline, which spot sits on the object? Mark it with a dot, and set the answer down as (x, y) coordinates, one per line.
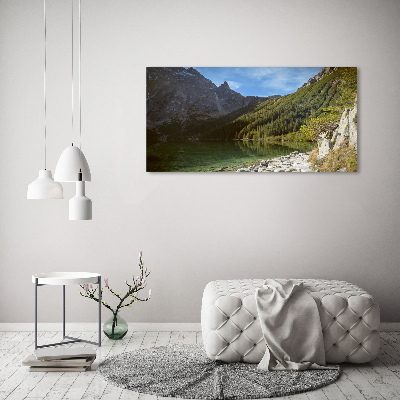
(294, 162)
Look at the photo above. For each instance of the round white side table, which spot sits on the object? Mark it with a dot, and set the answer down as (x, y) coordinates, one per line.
(66, 278)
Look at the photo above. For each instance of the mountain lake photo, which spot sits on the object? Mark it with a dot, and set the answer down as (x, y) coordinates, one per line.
(248, 119)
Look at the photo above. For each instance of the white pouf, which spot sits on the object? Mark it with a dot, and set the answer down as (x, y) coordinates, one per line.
(350, 320)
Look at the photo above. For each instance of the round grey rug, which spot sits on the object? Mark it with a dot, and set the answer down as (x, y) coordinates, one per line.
(185, 371)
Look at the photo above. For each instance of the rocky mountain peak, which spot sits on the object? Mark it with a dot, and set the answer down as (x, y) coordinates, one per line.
(193, 72)
(180, 96)
(225, 90)
(321, 74)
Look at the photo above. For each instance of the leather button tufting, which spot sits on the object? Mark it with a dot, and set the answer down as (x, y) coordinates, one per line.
(229, 317)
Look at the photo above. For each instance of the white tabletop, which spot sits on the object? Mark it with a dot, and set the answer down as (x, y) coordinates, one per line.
(65, 278)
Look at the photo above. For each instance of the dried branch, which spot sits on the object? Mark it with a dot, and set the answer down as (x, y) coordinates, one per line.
(139, 283)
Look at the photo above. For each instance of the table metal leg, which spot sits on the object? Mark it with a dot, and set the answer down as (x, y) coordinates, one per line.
(36, 286)
(63, 311)
(100, 297)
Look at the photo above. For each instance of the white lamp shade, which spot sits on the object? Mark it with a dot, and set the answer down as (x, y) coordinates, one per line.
(71, 161)
(44, 187)
(80, 206)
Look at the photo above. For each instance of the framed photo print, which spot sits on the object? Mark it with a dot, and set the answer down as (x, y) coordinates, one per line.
(251, 119)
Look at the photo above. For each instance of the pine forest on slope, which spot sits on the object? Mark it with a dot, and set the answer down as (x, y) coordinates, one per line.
(324, 100)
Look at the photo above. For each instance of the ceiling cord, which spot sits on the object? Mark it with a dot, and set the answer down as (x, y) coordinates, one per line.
(72, 68)
(79, 84)
(44, 84)
(79, 88)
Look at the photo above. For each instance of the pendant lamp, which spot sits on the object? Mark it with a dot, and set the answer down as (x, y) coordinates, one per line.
(72, 165)
(80, 206)
(44, 186)
(72, 162)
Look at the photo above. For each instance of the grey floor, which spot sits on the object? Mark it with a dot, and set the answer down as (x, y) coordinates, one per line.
(379, 379)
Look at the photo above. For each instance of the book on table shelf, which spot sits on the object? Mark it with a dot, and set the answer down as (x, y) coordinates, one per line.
(78, 359)
(61, 353)
(32, 361)
(59, 369)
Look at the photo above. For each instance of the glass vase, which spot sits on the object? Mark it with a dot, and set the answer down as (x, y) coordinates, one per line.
(115, 327)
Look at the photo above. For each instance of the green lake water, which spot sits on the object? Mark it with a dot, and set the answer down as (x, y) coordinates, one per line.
(213, 156)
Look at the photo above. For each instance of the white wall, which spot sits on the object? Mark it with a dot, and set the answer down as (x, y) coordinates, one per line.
(192, 228)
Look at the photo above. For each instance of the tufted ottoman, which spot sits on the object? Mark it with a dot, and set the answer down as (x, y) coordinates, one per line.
(231, 330)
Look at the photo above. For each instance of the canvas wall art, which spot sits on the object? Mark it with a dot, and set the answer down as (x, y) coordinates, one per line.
(268, 119)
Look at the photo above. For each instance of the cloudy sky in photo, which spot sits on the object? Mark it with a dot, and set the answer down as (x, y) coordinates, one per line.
(260, 81)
